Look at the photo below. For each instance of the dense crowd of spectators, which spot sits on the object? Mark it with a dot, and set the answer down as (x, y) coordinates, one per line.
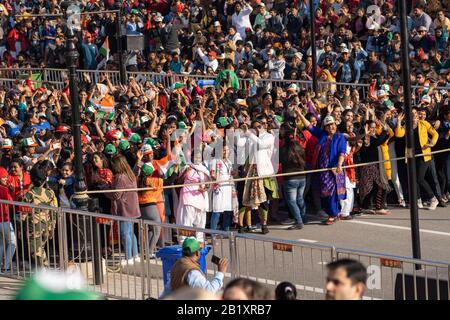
(133, 134)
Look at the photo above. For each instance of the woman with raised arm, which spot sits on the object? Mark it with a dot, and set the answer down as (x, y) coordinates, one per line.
(330, 153)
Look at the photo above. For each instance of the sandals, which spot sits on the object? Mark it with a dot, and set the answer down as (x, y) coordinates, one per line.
(330, 221)
(402, 203)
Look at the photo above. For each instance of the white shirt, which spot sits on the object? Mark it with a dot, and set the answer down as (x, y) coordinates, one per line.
(242, 20)
(261, 151)
(214, 64)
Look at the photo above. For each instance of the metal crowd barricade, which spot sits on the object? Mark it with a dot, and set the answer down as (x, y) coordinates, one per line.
(272, 261)
(30, 240)
(400, 278)
(80, 239)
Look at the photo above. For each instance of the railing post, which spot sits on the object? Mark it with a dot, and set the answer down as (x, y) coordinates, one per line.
(62, 240)
(233, 254)
(144, 249)
(334, 254)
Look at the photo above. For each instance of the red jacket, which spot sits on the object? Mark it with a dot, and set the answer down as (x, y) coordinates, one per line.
(18, 189)
(4, 208)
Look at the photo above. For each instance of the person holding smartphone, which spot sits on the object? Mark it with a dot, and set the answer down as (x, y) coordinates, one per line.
(186, 271)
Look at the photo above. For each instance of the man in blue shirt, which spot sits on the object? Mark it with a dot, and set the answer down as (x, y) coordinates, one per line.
(186, 271)
(90, 53)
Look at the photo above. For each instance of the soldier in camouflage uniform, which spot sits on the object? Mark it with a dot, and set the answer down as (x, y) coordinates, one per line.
(40, 222)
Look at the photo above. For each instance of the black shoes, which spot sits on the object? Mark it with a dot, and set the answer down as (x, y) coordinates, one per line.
(288, 222)
(297, 226)
(264, 230)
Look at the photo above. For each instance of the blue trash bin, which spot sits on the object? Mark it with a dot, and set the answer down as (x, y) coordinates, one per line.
(170, 255)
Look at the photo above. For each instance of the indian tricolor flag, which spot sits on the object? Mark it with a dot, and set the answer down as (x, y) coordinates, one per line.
(104, 51)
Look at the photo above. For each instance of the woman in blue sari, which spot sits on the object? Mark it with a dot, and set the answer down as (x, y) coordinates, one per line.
(330, 152)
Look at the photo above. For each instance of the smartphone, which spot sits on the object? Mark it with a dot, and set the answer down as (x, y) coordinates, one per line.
(57, 145)
(215, 259)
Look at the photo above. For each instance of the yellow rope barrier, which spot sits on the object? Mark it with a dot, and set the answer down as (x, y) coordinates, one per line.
(260, 177)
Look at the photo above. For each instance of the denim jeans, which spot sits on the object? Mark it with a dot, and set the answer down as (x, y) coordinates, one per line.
(433, 178)
(129, 241)
(293, 192)
(7, 244)
(215, 217)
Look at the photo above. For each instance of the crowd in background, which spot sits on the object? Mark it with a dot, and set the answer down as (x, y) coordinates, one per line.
(133, 134)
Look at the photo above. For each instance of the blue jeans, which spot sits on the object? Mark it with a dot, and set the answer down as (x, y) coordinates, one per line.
(215, 217)
(293, 193)
(129, 241)
(7, 244)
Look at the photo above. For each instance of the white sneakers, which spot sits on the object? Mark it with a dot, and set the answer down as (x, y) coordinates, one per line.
(419, 204)
(434, 203)
(131, 261)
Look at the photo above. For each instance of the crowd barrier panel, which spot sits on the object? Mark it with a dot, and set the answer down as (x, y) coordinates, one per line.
(57, 77)
(82, 238)
(401, 278)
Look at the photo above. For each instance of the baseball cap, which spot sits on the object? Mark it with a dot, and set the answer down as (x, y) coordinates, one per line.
(84, 128)
(212, 54)
(190, 246)
(422, 28)
(426, 99)
(147, 149)
(217, 24)
(151, 142)
(328, 120)
(343, 45)
(345, 50)
(62, 129)
(158, 19)
(114, 135)
(134, 138)
(124, 145)
(147, 168)
(144, 119)
(55, 285)
(110, 149)
(381, 93)
(7, 144)
(29, 142)
(222, 122)
(298, 55)
(182, 125)
(293, 87)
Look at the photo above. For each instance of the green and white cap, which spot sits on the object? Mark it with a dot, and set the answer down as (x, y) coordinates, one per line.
(146, 149)
(7, 144)
(135, 138)
(29, 142)
(55, 285)
(110, 149)
(148, 169)
(124, 145)
(151, 142)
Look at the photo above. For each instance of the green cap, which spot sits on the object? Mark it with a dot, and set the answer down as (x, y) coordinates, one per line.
(182, 125)
(222, 122)
(148, 168)
(124, 145)
(110, 116)
(46, 285)
(151, 142)
(135, 138)
(178, 85)
(110, 149)
(190, 245)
